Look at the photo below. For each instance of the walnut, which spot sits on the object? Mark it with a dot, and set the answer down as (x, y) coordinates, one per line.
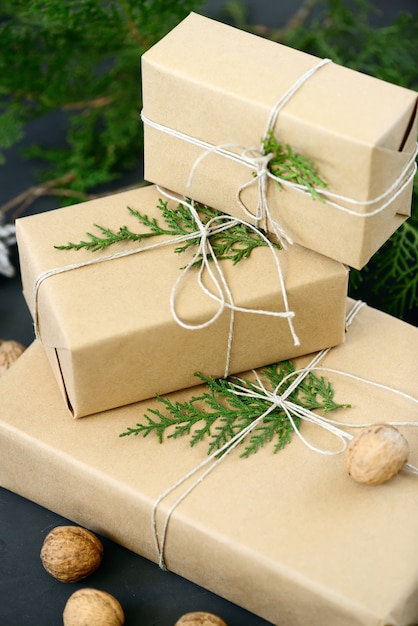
(71, 553)
(376, 454)
(91, 607)
(10, 351)
(200, 618)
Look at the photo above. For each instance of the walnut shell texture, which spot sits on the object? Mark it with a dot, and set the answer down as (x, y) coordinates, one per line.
(91, 607)
(71, 553)
(200, 618)
(376, 454)
(10, 351)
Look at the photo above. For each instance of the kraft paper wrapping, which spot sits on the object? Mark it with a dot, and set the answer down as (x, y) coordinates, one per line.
(108, 328)
(360, 131)
(289, 536)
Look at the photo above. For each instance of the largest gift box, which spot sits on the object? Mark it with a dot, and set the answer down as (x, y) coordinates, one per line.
(206, 111)
(288, 536)
(110, 330)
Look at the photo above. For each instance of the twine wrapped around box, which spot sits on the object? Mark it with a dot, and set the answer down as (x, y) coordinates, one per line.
(291, 410)
(88, 318)
(269, 532)
(228, 96)
(258, 161)
(204, 253)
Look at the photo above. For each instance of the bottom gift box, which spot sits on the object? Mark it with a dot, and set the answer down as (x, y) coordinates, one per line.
(289, 536)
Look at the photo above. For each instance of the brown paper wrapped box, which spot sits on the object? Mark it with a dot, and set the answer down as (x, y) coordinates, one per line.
(358, 130)
(108, 328)
(289, 536)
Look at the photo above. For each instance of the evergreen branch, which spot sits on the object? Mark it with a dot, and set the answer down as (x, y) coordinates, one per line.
(293, 167)
(218, 414)
(49, 62)
(25, 199)
(391, 276)
(396, 271)
(235, 243)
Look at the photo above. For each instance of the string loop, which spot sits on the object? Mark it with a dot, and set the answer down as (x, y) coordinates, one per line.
(209, 264)
(257, 160)
(293, 411)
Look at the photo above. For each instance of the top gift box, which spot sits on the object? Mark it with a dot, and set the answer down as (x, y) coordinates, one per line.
(212, 93)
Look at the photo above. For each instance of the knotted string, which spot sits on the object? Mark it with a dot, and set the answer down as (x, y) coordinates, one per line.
(258, 162)
(204, 255)
(292, 411)
(262, 172)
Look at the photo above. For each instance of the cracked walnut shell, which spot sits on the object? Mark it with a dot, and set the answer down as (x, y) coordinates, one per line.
(376, 454)
(71, 553)
(91, 607)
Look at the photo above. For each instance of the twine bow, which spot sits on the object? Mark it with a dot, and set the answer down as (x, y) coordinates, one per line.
(223, 297)
(208, 264)
(292, 411)
(258, 161)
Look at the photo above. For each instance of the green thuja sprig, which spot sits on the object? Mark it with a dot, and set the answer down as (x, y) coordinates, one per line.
(293, 167)
(234, 243)
(218, 413)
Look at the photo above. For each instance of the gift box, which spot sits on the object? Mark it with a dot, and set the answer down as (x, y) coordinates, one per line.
(111, 330)
(289, 536)
(205, 115)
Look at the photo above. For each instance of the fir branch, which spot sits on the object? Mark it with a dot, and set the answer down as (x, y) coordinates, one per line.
(218, 413)
(11, 130)
(345, 33)
(234, 244)
(95, 242)
(389, 281)
(396, 269)
(51, 61)
(293, 167)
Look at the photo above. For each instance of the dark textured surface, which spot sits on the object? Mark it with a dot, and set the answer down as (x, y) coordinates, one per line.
(149, 596)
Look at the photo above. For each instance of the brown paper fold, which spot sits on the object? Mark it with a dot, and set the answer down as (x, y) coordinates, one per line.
(360, 132)
(108, 328)
(288, 536)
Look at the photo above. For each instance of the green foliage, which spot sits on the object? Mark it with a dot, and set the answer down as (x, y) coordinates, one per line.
(235, 242)
(342, 32)
(389, 53)
(393, 272)
(81, 57)
(293, 167)
(344, 35)
(218, 413)
(11, 130)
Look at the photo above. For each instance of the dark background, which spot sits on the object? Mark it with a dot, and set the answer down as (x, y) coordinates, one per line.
(149, 596)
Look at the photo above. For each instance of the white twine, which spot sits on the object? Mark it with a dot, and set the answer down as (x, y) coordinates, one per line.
(205, 253)
(292, 410)
(257, 160)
